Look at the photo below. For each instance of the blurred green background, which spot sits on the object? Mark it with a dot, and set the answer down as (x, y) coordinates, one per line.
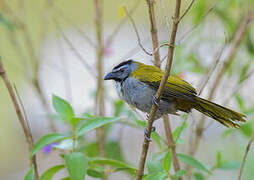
(41, 44)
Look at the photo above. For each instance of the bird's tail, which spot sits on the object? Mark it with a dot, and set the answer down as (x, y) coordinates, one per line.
(225, 116)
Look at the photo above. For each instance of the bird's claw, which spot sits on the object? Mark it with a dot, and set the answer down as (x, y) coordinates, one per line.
(154, 101)
(146, 133)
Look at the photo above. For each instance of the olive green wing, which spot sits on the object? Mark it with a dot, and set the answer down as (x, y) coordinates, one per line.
(175, 87)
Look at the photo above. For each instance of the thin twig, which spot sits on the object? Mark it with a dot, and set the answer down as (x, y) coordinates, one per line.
(100, 104)
(31, 70)
(120, 24)
(136, 31)
(186, 34)
(235, 45)
(155, 52)
(163, 82)
(69, 21)
(212, 68)
(226, 101)
(157, 62)
(22, 106)
(165, 12)
(75, 51)
(154, 33)
(245, 156)
(186, 10)
(21, 118)
(66, 73)
(239, 86)
(171, 143)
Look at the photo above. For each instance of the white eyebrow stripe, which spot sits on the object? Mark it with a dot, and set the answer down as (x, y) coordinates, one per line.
(118, 69)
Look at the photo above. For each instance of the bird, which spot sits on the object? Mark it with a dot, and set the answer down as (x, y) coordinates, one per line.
(137, 84)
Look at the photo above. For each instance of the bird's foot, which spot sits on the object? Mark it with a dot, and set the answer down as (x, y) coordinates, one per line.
(146, 133)
(155, 101)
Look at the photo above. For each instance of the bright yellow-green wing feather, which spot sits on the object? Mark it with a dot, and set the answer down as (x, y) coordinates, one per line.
(175, 87)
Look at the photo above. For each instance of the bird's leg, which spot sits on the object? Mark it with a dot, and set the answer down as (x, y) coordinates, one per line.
(146, 133)
(154, 101)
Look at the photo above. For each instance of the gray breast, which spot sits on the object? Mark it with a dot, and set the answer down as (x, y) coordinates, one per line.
(139, 95)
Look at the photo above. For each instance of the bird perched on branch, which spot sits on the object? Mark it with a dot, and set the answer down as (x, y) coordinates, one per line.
(137, 84)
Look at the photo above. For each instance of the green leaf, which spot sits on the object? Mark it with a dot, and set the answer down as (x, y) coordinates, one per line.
(86, 115)
(140, 123)
(179, 173)
(30, 174)
(250, 111)
(48, 174)
(93, 123)
(66, 144)
(46, 140)
(192, 162)
(66, 178)
(119, 104)
(9, 24)
(95, 174)
(196, 66)
(76, 164)
(156, 176)
(63, 108)
(114, 151)
(154, 167)
(177, 132)
(119, 165)
(167, 160)
(243, 73)
(246, 129)
(227, 132)
(74, 121)
(90, 149)
(240, 102)
(198, 176)
(218, 158)
(156, 137)
(229, 165)
(249, 43)
(199, 11)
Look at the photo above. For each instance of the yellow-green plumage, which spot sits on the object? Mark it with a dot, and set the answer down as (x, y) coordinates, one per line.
(185, 95)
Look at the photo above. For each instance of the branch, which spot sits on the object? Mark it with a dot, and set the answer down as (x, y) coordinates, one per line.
(75, 51)
(236, 89)
(212, 68)
(171, 143)
(245, 156)
(154, 34)
(100, 104)
(235, 45)
(121, 23)
(187, 9)
(195, 26)
(136, 31)
(69, 21)
(155, 45)
(21, 118)
(154, 108)
(157, 62)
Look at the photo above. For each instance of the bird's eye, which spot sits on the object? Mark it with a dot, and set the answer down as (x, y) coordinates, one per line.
(121, 70)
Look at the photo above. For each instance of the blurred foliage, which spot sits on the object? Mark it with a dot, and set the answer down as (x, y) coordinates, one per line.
(24, 28)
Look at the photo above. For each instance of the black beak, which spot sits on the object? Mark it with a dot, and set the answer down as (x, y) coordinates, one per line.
(109, 76)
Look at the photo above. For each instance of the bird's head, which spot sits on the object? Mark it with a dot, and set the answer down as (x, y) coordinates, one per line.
(122, 71)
